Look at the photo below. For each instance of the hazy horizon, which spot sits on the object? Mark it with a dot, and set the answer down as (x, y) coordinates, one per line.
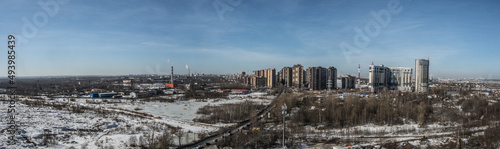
(72, 38)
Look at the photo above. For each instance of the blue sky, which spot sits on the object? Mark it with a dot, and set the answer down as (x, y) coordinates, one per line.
(139, 37)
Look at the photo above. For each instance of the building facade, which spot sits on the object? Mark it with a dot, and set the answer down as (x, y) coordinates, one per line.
(316, 78)
(348, 82)
(421, 75)
(401, 79)
(331, 79)
(319, 78)
(270, 75)
(285, 76)
(257, 81)
(259, 73)
(391, 78)
(379, 77)
(298, 76)
(264, 78)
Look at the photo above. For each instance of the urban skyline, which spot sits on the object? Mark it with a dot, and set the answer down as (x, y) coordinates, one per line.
(380, 78)
(128, 37)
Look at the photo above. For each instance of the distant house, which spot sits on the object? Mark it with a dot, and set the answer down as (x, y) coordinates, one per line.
(170, 85)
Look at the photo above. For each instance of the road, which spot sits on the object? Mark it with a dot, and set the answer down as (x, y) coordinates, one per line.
(203, 143)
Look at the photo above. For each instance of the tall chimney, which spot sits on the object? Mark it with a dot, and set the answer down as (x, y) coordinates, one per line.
(172, 76)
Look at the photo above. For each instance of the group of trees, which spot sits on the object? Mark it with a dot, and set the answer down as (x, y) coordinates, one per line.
(479, 111)
(251, 139)
(387, 109)
(469, 111)
(163, 141)
(277, 90)
(192, 94)
(234, 86)
(490, 139)
(228, 113)
(352, 111)
(60, 85)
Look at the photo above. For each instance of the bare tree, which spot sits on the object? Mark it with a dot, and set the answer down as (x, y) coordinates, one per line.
(177, 131)
(164, 141)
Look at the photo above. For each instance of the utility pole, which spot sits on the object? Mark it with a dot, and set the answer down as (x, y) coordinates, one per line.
(284, 113)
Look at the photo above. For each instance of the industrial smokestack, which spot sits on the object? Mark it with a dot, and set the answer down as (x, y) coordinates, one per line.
(172, 75)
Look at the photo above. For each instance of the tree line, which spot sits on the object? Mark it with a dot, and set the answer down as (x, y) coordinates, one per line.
(384, 109)
(228, 113)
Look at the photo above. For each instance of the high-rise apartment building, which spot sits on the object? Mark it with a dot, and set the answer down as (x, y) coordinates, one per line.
(257, 81)
(316, 78)
(393, 78)
(247, 80)
(319, 78)
(331, 78)
(285, 76)
(298, 76)
(265, 77)
(401, 79)
(421, 75)
(270, 75)
(379, 77)
(259, 73)
(348, 82)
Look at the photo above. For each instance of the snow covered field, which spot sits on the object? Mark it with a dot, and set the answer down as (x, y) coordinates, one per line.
(74, 129)
(122, 123)
(182, 113)
(181, 110)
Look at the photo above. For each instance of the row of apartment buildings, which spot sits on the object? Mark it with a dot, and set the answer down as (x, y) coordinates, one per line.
(315, 78)
(320, 78)
(400, 78)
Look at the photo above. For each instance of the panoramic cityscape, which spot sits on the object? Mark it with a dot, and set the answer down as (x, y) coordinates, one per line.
(231, 74)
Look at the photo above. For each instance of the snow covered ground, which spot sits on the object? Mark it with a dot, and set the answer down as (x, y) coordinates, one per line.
(181, 110)
(182, 113)
(253, 95)
(371, 135)
(74, 129)
(115, 129)
(407, 131)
